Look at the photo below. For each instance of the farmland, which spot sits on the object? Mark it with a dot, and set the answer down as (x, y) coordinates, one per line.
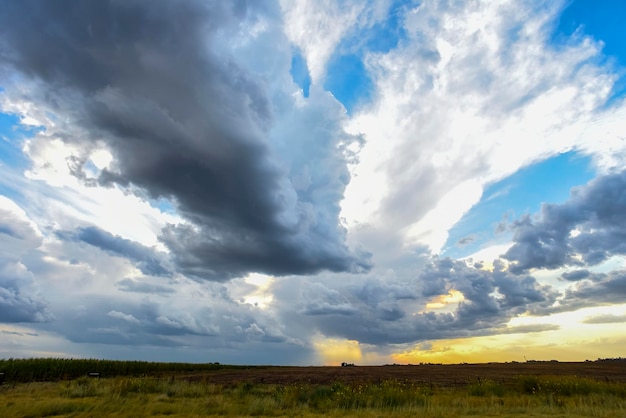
(449, 375)
(56, 387)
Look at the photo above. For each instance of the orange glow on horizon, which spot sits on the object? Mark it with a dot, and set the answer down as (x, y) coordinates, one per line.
(567, 336)
(333, 351)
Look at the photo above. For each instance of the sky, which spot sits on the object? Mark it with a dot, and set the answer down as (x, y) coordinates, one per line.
(310, 182)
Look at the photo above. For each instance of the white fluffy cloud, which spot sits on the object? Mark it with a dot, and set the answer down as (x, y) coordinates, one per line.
(317, 27)
(476, 92)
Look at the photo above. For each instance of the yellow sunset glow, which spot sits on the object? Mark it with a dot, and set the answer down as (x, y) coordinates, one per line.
(334, 351)
(571, 336)
(442, 301)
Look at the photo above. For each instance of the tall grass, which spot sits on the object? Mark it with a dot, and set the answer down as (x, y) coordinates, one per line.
(59, 387)
(147, 396)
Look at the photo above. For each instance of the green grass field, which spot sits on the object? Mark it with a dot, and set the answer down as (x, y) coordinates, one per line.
(131, 396)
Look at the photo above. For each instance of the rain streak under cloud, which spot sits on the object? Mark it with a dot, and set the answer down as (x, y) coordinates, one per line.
(272, 181)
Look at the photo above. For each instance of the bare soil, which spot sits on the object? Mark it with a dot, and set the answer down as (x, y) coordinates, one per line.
(441, 375)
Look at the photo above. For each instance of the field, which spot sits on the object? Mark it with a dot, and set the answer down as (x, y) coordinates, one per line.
(55, 387)
(451, 375)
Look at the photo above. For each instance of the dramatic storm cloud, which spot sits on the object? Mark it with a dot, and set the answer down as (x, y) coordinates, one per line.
(186, 121)
(290, 182)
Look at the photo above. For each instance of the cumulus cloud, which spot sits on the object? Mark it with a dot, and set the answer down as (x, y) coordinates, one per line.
(610, 289)
(186, 120)
(490, 296)
(584, 231)
(576, 275)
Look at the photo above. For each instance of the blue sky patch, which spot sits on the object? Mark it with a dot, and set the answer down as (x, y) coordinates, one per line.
(11, 135)
(385, 36)
(347, 77)
(349, 81)
(163, 204)
(603, 21)
(548, 181)
(300, 72)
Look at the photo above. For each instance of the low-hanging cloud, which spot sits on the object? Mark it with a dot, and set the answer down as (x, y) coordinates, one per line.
(396, 311)
(187, 121)
(20, 299)
(138, 286)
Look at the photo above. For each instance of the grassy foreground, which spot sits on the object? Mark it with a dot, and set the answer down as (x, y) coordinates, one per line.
(529, 396)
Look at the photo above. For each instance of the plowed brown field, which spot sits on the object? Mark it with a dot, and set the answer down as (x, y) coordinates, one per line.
(437, 375)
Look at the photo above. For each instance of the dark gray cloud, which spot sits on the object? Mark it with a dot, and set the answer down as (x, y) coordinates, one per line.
(435, 276)
(30, 334)
(598, 289)
(146, 259)
(606, 289)
(590, 224)
(576, 275)
(189, 122)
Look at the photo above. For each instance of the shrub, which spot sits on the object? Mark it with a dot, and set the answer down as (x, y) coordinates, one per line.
(485, 388)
